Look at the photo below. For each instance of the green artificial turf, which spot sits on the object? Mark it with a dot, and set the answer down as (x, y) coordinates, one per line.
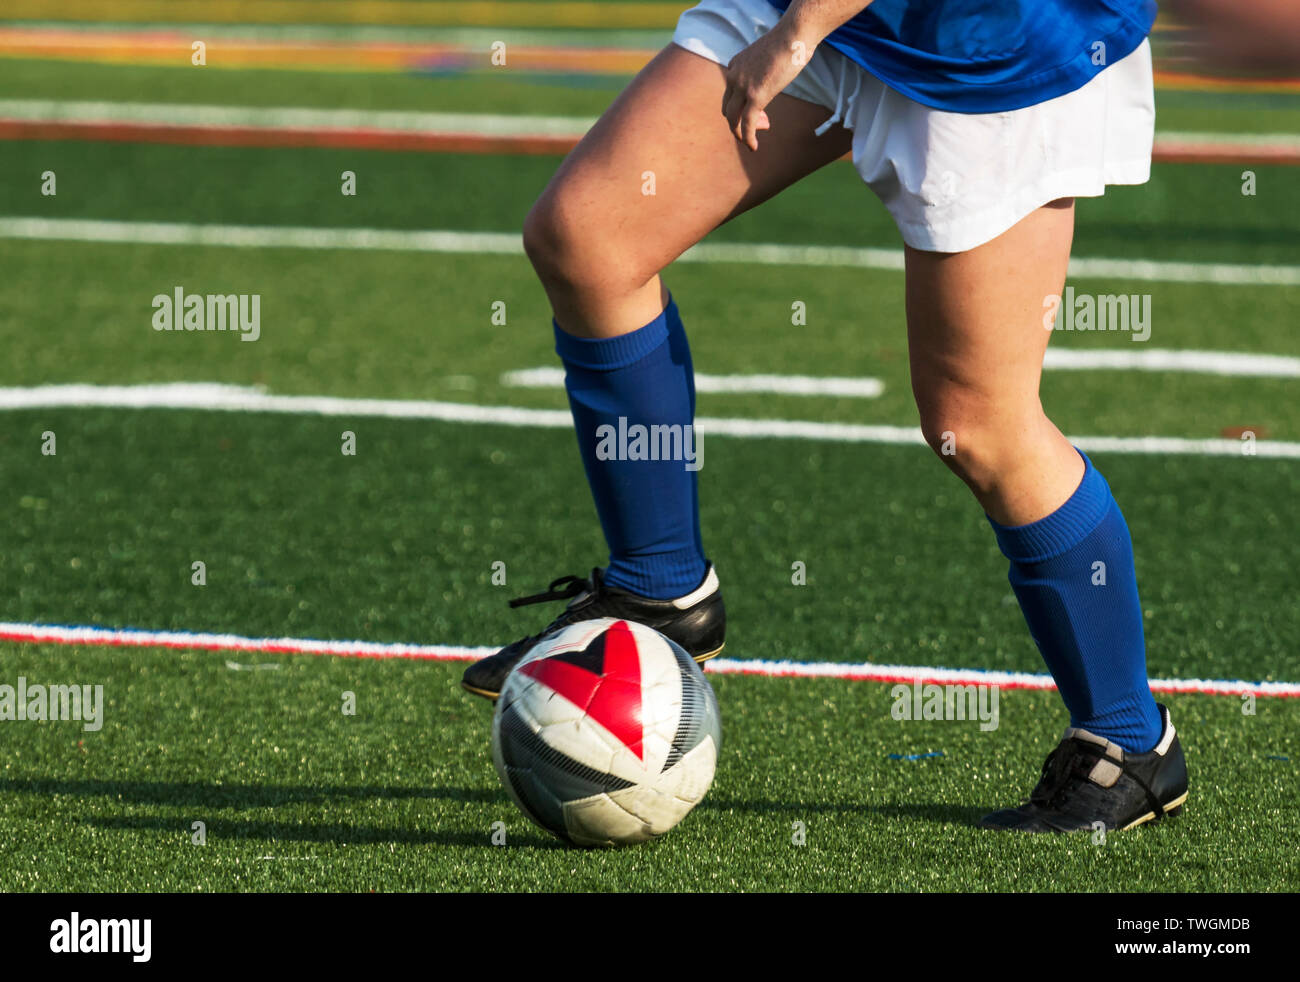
(398, 542)
(294, 795)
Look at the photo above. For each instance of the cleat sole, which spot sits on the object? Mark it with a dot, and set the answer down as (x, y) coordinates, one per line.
(701, 659)
(485, 693)
(1173, 808)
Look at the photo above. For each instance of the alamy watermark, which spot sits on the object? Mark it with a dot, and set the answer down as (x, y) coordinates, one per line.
(946, 702)
(181, 311)
(76, 935)
(52, 703)
(1099, 312)
(658, 441)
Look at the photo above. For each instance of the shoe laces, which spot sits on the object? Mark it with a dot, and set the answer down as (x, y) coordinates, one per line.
(1070, 760)
(562, 588)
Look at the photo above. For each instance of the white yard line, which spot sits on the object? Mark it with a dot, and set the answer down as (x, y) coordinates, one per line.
(1143, 359)
(509, 243)
(1271, 141)
(183, 114)
(232, 398)
(496, 124)
(1140, 359)
(788, 385)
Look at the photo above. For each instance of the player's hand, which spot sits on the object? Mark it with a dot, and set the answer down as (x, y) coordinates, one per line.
(755, 77)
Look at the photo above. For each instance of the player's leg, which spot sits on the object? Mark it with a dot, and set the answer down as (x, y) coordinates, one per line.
(658, 172)
(977, 338)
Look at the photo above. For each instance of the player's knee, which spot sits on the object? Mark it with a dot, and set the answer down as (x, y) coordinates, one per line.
(971, 437)
(559, 243)
(972, 453)
(545, 238)
(571, 251)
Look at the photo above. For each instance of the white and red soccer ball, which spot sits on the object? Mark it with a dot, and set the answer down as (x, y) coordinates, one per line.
(606, 733)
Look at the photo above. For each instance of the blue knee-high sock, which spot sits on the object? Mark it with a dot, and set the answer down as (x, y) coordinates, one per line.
(649, 509)
(1073, 574)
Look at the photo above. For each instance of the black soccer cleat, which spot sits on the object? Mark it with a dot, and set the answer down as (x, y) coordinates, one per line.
(696, 621)
(1088, 779)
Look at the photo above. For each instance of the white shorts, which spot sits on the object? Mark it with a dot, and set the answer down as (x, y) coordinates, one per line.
(954, 181)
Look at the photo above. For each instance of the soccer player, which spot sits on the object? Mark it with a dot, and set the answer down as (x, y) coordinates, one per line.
(977, 123)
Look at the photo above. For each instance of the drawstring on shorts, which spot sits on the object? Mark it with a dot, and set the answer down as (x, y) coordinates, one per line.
(844, 106)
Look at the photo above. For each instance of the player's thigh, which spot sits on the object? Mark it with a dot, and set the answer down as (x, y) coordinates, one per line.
(975, 319)
(657, 173)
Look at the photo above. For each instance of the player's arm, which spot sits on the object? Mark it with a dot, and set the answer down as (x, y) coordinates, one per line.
(767, 66)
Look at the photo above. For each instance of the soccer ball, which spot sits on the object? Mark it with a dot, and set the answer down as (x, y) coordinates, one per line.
(606, 733)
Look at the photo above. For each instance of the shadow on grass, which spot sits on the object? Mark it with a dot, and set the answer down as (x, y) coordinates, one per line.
(940, 813)
(227, 830)
(195, 794)
(200, 797)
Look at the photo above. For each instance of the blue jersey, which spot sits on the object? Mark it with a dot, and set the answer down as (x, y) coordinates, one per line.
(985, 56)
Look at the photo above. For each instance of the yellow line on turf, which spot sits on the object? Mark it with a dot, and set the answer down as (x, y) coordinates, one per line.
(441, 13)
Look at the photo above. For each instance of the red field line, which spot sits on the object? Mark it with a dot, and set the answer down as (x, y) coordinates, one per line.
(1180, 152)
(284, 136)
(1165, 152)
